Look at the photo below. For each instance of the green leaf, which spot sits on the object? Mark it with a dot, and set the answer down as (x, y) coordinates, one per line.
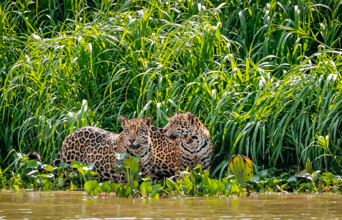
(221, 186)
(132, 164)
(48, 168)
(248, 172)
(119, 166)
(40, 179)
(16, 187)
(146, 179)
(292, 179)
(71, 186)
(196, 174)
(116, 186)
(263, 173)
(143, 188)
(170, 184)
(308, 166)
(149, 188)
(255, 179)
(155, 188)
(81, 170)
(213, 187)
(198, 169)
(128, 191)
(135, 184)
(242, 168)
(234, 189)
(146, 188)
(205, 178)
(327, 176)
(63, 165)
(154, 195)
(97, 190)
(61, 182)
(121, 192)
(90, 186)
(50, 175)
(32, 164)
(75, 164)
(106, 186)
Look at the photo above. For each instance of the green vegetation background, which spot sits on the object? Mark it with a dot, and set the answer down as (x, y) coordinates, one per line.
(263, 76)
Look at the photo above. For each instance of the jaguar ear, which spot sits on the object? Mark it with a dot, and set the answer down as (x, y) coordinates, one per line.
(149, 121)
(33, 156)
(190, 117)
(177, 112)
(123, 121)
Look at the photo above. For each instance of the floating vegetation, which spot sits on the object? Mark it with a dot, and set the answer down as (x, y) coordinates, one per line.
(242, 168)
(196, 182)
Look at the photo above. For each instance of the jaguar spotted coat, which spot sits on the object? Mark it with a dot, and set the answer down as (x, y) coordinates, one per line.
(94, 145)
(166, 153)
(195, 141)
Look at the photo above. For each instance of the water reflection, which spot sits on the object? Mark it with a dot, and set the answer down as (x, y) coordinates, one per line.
(77, 205)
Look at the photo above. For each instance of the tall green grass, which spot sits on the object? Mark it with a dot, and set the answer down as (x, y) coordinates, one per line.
(264, 76)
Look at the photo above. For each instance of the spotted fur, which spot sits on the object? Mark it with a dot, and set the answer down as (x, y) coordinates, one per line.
(166, 153)
(195, 141)
(94, 145)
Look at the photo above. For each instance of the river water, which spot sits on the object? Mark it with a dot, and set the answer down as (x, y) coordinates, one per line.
(78, 205)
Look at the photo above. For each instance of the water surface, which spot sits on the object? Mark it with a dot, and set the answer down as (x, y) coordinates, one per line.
(78, 205)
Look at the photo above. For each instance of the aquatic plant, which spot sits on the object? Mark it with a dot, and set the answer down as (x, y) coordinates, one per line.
(129, 166)
(194, 183)
(242, 168)
(92, 187)
(106, 186)
(198, 183)
(148, 190)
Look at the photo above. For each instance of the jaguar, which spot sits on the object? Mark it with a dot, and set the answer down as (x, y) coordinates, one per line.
(194, 138)
(94, 145)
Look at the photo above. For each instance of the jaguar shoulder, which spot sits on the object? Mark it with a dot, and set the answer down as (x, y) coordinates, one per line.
(166, 153)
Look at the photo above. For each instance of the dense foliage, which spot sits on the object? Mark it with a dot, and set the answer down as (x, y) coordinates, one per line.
(196, 182)
(263, 76)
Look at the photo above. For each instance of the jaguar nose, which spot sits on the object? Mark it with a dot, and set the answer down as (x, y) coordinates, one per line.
(131, 140)
(164, 130)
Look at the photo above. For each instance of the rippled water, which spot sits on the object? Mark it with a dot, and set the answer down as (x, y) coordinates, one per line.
(78, 205)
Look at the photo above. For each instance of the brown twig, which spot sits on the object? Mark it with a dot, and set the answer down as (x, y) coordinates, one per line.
(248, 189)
(331, 187)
